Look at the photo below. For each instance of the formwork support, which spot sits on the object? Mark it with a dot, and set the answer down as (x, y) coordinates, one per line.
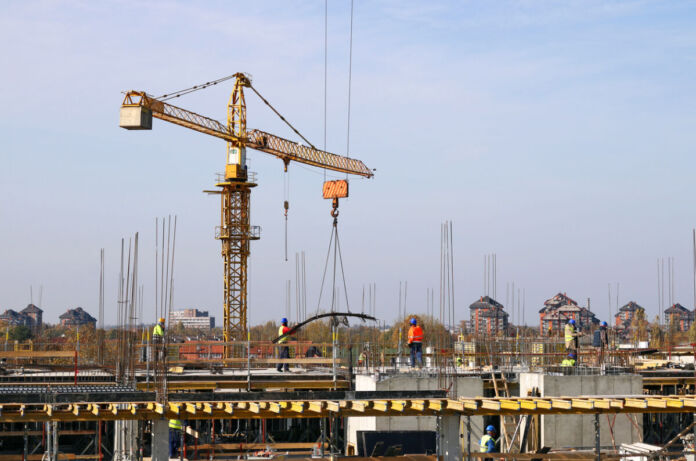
(597, 434)
(160, 440)
(468, 437)
(449, 438)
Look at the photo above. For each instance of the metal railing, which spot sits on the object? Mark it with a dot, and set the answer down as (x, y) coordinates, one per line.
(222, 232)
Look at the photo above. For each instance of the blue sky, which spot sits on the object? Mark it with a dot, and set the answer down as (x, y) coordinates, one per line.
(559, 135)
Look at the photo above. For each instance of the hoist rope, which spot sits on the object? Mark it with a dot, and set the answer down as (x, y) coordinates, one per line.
(326, 265)
(326, 65)
(350, 75)
(337, 258)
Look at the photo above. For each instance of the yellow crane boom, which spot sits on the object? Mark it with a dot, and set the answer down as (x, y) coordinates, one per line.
(143, 107)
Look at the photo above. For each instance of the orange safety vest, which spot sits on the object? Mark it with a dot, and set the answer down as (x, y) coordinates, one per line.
(415, 334)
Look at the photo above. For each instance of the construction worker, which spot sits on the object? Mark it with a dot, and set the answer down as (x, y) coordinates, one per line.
(284, 350)
(175, 429)
(488, 443)
(571, 336)
(158, 339)
(601, 342)
(460, 362)
(604, 335)
(158, 331)
(415, 342)
(570, 361)
(362, 358)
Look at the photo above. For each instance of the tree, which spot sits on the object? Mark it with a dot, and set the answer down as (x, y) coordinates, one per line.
(20, 333)
(656, 334)
(692, 333)
(639, 326)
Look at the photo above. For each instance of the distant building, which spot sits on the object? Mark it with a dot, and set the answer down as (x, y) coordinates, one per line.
(30, 316)
(35, 314)
(13, 318)
(557, 311)
(626, 313)
(77, 317)
(680, 315)
(487, 316)
(192, 318)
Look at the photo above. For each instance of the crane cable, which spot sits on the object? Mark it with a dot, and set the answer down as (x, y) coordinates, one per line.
(286, 205)
(350, 79)
(281, 117)
(176, 94)
(337, 258)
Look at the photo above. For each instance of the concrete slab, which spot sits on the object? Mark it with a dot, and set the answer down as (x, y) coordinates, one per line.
(577, 431)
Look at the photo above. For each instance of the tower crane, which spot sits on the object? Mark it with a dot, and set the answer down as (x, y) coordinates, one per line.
(235, 232)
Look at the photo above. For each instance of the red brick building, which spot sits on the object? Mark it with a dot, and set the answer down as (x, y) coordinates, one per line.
(626, 313)
(487, 316)
(557, 311)
(680, 315)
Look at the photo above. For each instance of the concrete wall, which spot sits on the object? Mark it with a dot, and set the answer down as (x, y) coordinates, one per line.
(578, 430)
(463, 386)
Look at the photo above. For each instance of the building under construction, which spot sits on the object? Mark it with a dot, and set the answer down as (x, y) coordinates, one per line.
(345, 398)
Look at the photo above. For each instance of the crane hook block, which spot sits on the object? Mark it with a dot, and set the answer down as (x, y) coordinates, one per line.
(335, 189)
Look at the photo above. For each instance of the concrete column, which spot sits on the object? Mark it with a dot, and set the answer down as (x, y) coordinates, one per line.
(449, 441)
(160, 440)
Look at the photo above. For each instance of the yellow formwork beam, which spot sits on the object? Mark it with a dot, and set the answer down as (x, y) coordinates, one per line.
(85, 411)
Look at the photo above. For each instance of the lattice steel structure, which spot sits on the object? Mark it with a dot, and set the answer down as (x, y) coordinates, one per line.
(235, 233)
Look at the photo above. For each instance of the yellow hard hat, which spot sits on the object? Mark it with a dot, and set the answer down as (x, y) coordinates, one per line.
(161, 320)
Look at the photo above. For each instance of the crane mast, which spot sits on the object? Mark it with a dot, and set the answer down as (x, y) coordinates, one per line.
(235, 231)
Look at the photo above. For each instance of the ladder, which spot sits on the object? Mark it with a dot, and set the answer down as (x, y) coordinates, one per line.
(509, 425)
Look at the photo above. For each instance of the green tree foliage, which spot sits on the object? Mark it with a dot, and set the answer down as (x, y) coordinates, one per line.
(19, 333)
(264, 332)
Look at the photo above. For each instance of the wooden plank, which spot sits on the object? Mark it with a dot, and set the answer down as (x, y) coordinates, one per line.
(36, 354)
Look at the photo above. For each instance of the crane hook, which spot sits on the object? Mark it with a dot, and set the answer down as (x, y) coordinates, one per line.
(334, 208)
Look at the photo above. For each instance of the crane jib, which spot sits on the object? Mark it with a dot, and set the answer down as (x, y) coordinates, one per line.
(138, 109)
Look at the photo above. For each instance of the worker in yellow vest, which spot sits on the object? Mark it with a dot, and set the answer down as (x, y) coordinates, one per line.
(570, 361)
(158, 331)
(175, 430)
(158, 339)
(488, 443)
(571, 336)
(284, 350)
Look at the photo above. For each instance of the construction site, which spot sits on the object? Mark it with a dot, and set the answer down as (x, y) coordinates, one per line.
(146, 379)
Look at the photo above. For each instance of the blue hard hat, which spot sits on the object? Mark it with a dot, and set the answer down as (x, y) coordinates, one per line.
(490, 429)
(571, 355)
(604, 324)
(413, 321)
(283, 320)
(571, 321)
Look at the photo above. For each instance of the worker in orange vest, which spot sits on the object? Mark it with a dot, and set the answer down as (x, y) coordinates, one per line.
(415, 342)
